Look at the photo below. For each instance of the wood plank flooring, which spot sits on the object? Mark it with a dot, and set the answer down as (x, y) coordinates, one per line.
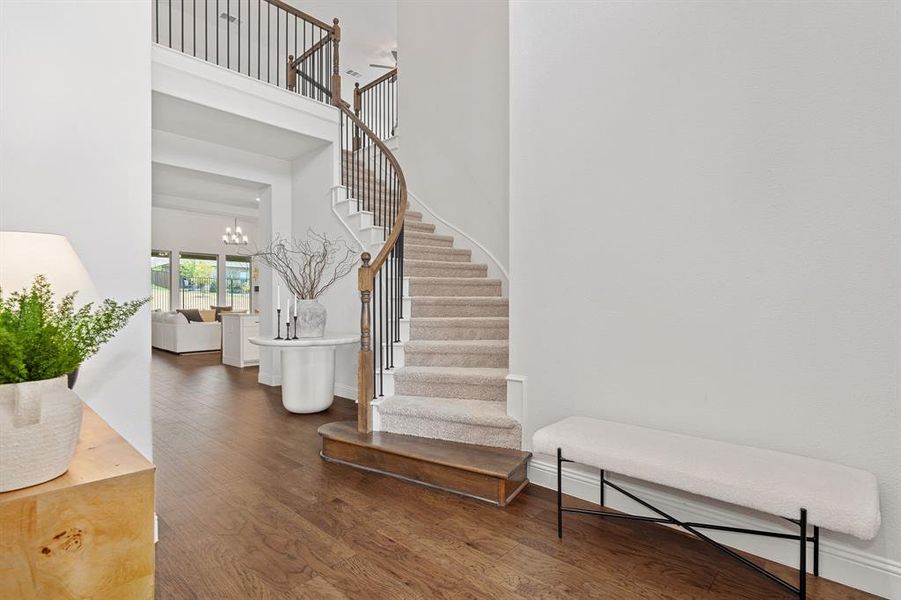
(247, 509)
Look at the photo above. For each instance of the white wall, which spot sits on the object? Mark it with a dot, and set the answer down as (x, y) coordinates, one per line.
(75, 160)
(313, 175)
(453, 113)
(186, 231)
(705, 237)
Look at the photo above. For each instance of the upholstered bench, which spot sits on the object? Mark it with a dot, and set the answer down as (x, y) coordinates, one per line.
(805, 491)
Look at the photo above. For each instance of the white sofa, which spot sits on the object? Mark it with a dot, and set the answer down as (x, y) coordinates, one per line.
(173, 332)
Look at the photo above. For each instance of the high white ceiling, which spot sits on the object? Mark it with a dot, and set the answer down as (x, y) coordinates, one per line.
(368, 33)
(176, 187)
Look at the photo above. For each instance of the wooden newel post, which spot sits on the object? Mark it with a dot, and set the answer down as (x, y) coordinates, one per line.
(365, 366)
(357, 104)
(336, 70)
(291, 76)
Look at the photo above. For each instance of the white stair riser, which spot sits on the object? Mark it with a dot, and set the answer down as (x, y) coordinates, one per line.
(359, 220)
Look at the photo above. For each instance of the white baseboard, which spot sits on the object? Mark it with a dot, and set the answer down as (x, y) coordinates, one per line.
(268, 378)
(346, 391)
(838, 561)
(516, 396)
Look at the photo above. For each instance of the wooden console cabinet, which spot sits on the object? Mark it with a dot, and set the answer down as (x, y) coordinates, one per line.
(86, 534)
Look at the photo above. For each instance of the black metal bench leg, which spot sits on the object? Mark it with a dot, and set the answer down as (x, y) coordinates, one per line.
(816, 551)
(559, 493)
(802, 573)
(602, 487)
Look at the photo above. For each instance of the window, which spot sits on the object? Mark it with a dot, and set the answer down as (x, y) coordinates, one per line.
(160, 280)
(198, 285)
(238, 283)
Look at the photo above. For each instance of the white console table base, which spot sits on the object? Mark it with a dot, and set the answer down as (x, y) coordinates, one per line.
(308, 370)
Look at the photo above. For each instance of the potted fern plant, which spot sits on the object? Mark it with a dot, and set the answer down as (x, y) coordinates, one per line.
(42, 345)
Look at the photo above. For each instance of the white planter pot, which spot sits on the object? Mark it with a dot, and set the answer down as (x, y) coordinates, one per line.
(39, 426)
(311, 317)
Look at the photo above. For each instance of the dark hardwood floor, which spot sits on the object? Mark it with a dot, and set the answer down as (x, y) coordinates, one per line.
(247, 509)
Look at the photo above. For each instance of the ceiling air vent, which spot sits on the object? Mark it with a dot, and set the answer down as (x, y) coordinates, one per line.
(230, 18)
(353, 73)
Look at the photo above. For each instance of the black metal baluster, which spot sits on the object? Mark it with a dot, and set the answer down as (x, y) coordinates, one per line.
(382, 349)
(296, 87)
(278, 56)
(228, 34)
(259, 41)
(157, 19)
(170, 24)
(375, 335)
(238, 25)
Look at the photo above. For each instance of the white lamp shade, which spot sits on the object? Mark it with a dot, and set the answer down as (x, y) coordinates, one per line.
(24, 255)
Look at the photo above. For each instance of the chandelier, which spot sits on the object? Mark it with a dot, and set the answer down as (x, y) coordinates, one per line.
(233, 236)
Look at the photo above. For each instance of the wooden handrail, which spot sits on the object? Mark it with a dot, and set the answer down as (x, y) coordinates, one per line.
(378, 80)
(311, 50)
(397, 226)
(368, 272)
(300, 14)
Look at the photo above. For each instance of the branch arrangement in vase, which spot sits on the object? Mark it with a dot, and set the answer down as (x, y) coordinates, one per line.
(41, 339)
(308, 267)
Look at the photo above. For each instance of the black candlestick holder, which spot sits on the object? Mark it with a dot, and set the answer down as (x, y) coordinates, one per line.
(278, 324)
(295, 327)
(287, 330)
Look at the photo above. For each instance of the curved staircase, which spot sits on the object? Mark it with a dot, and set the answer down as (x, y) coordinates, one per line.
(452, 385)
(431, 405)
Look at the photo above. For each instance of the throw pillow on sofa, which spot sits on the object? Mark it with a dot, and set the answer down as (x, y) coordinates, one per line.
(191, 314)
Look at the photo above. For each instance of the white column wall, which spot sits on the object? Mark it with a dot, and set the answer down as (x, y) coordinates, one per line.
(706, 231)
(75, 160)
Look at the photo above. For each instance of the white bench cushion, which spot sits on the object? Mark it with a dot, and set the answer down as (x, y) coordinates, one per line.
(836, 497)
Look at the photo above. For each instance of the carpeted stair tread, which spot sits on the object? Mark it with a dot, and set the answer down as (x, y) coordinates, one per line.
(453, 286)
(454, 410)
(459, 328)
(462, 306)
(483, 384)
(440, 268)
(418, 226)
(436, 253)
(438, 345)
(428, 239)
(457, 353)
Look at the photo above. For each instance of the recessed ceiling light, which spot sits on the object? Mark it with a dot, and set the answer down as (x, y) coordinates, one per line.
(258, 199)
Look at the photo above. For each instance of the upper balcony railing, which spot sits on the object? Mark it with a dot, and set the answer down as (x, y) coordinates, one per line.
(376, 105)
(264, 39)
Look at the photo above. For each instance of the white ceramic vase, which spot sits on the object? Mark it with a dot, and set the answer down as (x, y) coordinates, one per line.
(311, 316)
(39, 426)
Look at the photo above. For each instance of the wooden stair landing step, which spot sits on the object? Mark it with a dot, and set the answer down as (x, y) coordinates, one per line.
(495, 475)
